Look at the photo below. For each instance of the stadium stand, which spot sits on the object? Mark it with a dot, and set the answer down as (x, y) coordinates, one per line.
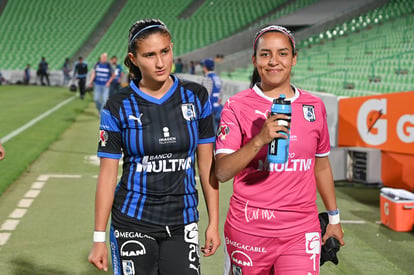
(116, 37)
(212, 21)
(371, 53)
(367, 53)
(44, 30)
(32, 29)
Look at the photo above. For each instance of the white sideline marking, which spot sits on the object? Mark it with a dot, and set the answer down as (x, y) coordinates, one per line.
(4, 237)
(32, 194)
(43, 178)
(24, 204)
(59, 176)
(353, 221)
(18, 213)
(38, 185)
(34, 121)
(10, 225)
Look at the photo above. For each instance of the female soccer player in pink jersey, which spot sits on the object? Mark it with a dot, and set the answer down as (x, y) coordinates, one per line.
(272, 225)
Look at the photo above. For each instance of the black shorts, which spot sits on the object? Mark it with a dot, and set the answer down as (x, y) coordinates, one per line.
(155, 250)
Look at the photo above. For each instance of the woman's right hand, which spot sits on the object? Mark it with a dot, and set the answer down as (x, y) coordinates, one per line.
(272, 126)
(99, 256)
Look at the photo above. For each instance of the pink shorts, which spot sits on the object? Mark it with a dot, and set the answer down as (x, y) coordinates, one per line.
(253, 255)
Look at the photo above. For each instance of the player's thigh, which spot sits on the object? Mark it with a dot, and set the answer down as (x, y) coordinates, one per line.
(248, 254)
(301, 255)
(179, 254)
(133, 252)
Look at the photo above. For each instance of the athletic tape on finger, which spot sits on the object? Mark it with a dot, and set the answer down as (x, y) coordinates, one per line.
(282, 123)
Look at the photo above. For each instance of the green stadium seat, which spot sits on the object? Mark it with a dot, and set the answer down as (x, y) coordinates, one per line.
(43, 30)
(379, 37)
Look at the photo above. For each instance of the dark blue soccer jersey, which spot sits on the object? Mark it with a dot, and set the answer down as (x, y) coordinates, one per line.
(158, 138)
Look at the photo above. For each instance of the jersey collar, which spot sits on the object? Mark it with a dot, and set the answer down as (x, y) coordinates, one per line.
(260, 93)
(153, 99)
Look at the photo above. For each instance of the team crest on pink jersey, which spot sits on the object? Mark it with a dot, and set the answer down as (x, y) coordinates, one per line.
(309, 113)
(313, 243)
(223, 131)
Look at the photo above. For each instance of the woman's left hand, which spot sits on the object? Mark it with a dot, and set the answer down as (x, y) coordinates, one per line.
(334, 230)
(212, 241)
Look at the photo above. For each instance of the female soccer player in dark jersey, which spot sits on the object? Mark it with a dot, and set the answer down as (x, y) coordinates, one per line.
(272, 226)
(161, 125)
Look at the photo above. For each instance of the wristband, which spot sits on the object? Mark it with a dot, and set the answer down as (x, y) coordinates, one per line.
(99, 236)
(333, 212)
(334, 217)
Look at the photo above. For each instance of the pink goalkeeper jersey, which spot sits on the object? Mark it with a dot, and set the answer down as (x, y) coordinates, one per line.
(274, 199)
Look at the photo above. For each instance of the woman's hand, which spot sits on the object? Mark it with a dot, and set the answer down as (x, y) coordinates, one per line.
(212, 241)
(99, 256)
(334, 230)
(271, 128)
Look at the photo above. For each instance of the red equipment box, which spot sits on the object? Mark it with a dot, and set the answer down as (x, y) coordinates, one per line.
(397, 209)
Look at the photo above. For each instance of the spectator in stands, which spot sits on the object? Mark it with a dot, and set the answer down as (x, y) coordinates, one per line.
(101, 78)
(43, 71)
(66, 72)
(26, 75)
(179, 66)
(2, 152)
(219, 58)
(273, 207)
(119, 74)
(192, 67)
(162, 125)
(212, 82)
(80, 72)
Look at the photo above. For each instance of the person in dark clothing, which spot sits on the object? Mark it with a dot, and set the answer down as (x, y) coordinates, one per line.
(26, 75)
(66, 72)
(163, 127)
(119, 74)
(43, 71)
(80, 72)
(179, 66)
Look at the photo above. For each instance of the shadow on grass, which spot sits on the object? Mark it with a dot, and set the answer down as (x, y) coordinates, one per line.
(89, 115)
(365, 194)
(395, 235)
(73, 152)
(24, 266)
(27, 267)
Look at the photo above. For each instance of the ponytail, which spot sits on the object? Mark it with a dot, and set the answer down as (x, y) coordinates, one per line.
(255, 78)
(134, 71)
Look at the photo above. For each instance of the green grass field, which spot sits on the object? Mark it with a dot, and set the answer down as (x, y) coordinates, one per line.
(53, 233)
(18, 106)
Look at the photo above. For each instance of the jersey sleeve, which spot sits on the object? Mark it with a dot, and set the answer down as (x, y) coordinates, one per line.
(110, 138)
(324, 145)
(229, 135)
(206, 126)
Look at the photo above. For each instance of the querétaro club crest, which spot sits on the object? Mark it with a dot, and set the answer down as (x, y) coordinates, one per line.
(309, 113)
(188, 111)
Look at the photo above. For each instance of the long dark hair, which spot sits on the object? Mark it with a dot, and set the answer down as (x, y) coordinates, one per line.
(272, 28)
(139, 31)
